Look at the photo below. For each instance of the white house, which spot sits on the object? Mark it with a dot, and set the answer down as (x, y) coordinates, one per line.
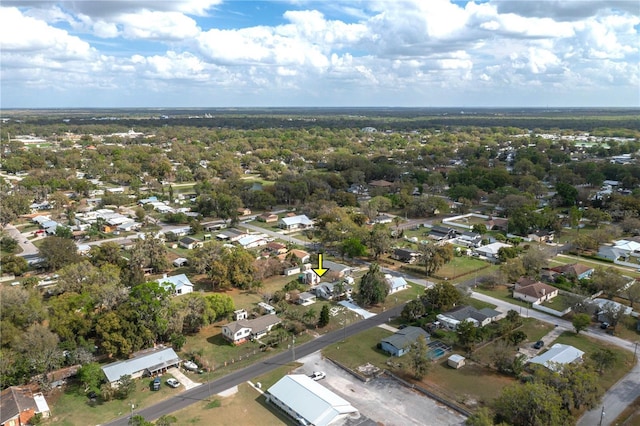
(396, 283)
(151, 362)
(490, 251)
(308, 402)
(295, 222)
(557, 356)
(179, 283)
(240, 331)
(251, 241)
(536, 292)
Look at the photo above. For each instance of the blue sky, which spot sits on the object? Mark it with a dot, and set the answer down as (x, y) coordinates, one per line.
(201, 53)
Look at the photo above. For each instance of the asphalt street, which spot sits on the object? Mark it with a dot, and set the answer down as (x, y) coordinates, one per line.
(214, 387)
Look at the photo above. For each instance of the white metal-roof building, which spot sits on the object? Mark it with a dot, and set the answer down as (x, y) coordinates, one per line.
(558, 355)
(308, 402)
(152, 362)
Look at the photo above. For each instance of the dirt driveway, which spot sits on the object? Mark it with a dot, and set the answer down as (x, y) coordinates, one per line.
(383, 400)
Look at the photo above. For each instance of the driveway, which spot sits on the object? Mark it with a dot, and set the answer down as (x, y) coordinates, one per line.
(357, 309)
(382, 400)
(186, 382)
(27, 246)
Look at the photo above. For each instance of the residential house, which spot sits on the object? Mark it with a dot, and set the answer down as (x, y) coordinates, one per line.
(381, 184)
(337, 268)
(307, 402)
(267, 308)
(405, 255)
(252, 241)
(180, 262)
(179, 283)
(309, 277)
(337, 289)
(277, 248)
(383, 218)
(621, 250)
(399, 343)
(301, 255)
(190, 243)
(451, 319)
(536, 292)
(295, 222)
(18, 405)
(558, 356)
(145, 363)
(440, 233)
(395, 284)
(490, 251)
(267, 217)
(291, 271)
(469, 239)
(240, 331)
(541, 236)
(243, 211)
(608, 308)
(232, 235)
(496, 224)
(574, 271)
(305, 299)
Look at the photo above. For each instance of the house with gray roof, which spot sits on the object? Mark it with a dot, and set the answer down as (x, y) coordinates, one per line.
(19, 405)
(146, 363)
(557, 356)
(295, 222)
(240, 331)
(308, 402)
(400, 342)
(179, 284)
(479, 318)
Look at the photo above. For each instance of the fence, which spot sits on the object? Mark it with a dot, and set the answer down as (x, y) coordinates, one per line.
(553, 312)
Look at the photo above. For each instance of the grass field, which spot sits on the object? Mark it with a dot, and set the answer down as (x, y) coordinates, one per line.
(502, 293)
(360, 349)
(73, 408)
(624, 359)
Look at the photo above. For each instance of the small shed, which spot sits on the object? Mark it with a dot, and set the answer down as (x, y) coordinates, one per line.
(456, 361)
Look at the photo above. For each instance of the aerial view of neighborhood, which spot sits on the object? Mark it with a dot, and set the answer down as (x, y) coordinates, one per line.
(380, 213)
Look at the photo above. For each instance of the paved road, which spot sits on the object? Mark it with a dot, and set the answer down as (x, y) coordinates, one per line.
(620, 395)
(214, 387)
(27, 246)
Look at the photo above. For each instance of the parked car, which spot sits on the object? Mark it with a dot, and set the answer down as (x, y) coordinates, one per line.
(318, 375)
(155, 385)
(539, 344)
(173, 383)
(190, 365)
(604, 325)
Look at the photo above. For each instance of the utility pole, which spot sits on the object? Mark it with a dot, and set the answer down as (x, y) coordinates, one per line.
(601, 416)
(293, 348)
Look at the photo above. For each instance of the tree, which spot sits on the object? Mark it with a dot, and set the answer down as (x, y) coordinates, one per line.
(233, 268)
(633, 293)
(481, 417)
(441, 297)
(91, 376)
(40, 347)
(324, 316)
(467, 334)
(166, 420)
(373, 287)
(59, 252)
(517, 337)
(609, 280)
(581, 322)
(12, 264)
(379, 240)
(139, 420)
(479, 228)
(353, 247)
(418, 359)
(126, 386)
(433, 257)
(530, 404)
(413, 310)
(603, 359)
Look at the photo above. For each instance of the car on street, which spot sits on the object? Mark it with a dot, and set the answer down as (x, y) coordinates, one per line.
(318, 375)
(539, 344)
(173, 383)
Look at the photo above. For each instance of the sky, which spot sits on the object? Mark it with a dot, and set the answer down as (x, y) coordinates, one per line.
(329, 53)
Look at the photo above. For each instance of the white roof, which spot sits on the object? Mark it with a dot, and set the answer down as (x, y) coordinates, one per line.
(627, 245)
(250, 239)
(456, 358)
(626, 310)
(558, 354)
(492, 248)
(178, 281)
(396, 282)
(294, 220)
(312, 401)
(152, 360)
(41, 403)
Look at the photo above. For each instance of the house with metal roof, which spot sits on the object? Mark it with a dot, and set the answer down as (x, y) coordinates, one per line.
(251, 241)
(400, 342)
(308, 402)
(147, 363)
(557, 356)
(295, 222)
(395, 284)
(179, 283)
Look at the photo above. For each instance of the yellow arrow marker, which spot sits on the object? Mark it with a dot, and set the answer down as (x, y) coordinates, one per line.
(320, 270)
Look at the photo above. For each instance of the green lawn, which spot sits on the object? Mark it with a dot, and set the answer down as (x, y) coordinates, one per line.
(559, 303)
(502, 293)
(360, 349)
(624, 359)
(412, 293)
(71, 407)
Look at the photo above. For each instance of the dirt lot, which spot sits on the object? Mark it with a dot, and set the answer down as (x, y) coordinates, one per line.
(383, 400)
